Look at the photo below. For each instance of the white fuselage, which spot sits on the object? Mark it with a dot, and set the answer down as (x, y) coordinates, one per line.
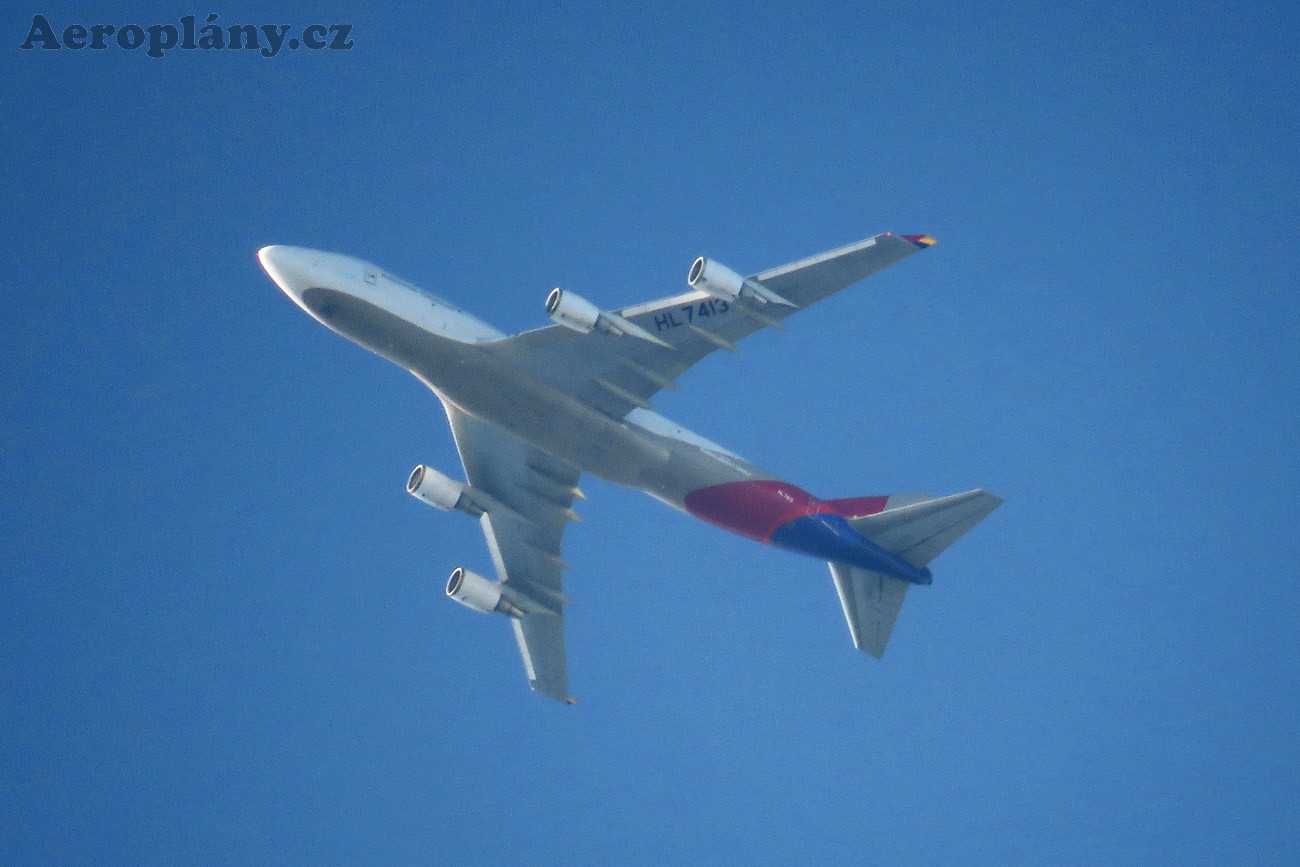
(450, 351)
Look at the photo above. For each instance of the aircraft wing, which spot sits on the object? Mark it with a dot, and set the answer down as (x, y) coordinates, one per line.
(536, 492)
(616, 374)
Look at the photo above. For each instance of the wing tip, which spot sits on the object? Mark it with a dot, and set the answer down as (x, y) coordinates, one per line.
(561, 695)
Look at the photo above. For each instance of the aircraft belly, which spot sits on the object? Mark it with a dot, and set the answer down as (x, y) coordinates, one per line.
(673, 468)
(690, 469)
(557, 423)
(491, 388)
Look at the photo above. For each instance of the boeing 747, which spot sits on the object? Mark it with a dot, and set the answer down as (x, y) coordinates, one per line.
(532, 412)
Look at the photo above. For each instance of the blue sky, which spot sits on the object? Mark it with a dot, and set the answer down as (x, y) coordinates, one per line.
(222, 634)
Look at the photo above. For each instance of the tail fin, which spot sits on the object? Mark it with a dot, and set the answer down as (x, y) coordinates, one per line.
(918, 533)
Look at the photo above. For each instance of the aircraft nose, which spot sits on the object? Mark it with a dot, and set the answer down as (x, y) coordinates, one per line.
(290, 267)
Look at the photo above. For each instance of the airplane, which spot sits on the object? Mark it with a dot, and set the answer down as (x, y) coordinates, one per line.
(530, 413)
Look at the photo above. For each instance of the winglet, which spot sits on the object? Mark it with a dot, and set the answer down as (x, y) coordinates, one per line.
(921, 241)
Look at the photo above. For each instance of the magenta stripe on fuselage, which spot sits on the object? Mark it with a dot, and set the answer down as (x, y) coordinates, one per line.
(757, 508)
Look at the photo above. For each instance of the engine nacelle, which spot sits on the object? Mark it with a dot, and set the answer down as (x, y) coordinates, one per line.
(572, 311)
(577, 313)
(721, 282)
(434, 488)
(474, 591)
(715, 278)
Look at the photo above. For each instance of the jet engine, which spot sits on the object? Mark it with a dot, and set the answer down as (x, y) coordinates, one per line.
(578, 314)
(572, 311)
(721, 282)
(474, 591)
(434, 488)
(715, 278)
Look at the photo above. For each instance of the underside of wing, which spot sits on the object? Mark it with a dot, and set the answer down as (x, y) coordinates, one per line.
(616, 373)
(541, 647)
(531, 495)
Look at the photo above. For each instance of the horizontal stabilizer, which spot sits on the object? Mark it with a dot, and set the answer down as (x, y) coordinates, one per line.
(871, 603)
(920, 532)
